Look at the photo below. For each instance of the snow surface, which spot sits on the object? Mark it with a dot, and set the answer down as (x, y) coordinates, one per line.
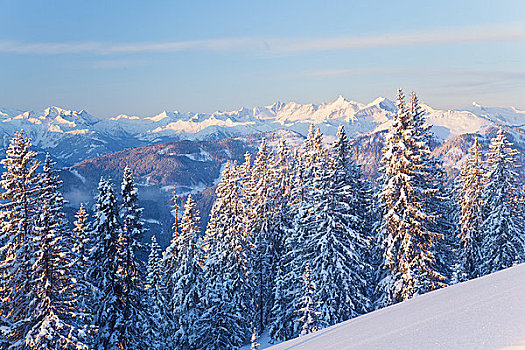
(485, 313)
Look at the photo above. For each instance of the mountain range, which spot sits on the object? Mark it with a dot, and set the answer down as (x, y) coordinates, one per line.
(73, 136)
(187, 151)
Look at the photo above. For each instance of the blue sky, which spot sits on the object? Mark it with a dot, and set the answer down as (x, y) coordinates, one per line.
(142, 57)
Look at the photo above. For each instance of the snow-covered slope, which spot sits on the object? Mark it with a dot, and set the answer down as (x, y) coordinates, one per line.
(485, 313)
(77, 135)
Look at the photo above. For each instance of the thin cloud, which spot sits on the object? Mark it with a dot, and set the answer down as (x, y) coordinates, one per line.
(509, 32)
(492, 74)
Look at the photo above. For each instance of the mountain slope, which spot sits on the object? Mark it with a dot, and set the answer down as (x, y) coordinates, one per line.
(189, 166)
(485, 313)
(76, 135)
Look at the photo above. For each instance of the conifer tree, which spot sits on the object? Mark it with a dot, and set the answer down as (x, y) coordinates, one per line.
(187, 293)
(259, 220)
(341, 212)
(308, 304)
(470, 197)
(80, 265)
(437, 199)
(284, 215)
(406, 239)
(254, 344)
(170, 263)
(81, 241)
(21, 187)
(53, 309)
(226, 299)
(129, 270)
(158, 332)
(298, 247)
(103, 269)
(503, 242)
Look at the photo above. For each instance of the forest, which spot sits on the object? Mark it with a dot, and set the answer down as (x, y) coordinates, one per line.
(298, 240)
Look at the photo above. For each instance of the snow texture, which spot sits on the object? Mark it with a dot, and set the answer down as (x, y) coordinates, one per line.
(484, 313)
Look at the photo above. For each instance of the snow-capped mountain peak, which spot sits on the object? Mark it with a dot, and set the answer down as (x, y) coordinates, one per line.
(53, 125)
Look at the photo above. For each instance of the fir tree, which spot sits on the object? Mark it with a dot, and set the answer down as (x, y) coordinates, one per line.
(406, 239)
(254, 344)
(21, 188)
(80, 265)
(103, 269)
(284, 214)
(170, 262)
(470, 198)
(259, 220)
(53, 309)
(81, 241)
(129, 272)
(186, 296)
(502, 242)
(437, 199)
(308, 304)
(298, 245)
(341, 214)
(226, 298)
(158, 332)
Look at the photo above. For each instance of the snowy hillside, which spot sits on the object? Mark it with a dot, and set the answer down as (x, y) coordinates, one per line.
(57, 130)
(485, 313)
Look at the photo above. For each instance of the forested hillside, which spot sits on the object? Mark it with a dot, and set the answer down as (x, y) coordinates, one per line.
(298, 238)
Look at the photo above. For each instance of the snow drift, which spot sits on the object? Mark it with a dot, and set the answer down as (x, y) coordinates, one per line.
(485, 313)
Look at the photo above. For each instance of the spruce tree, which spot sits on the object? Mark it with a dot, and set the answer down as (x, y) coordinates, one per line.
(55, 303)
(254, 344)
(308, 304)
(470, 198)
(226, 298)
(341, 214)
(21, 187)
(188, 290)
(80, 265)
(502, 241)
(297, 248)
(129, 270)
(103, 269)
(406, 238)
(284, 214)
(170, 264)
(437, 199)
(159, 329)
(259, 221)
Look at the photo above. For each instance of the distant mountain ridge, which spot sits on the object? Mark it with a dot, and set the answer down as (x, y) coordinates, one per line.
(73, 136)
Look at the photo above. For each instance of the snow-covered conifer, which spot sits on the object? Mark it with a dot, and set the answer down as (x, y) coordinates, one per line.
(103, 269)
(129, 271)
(187, 293)
(407, 242)
(254, 344)
(170, 260)
(55, 300)
(308, 167)
(159, 330)
(502, 241)
(259, 220)
(308, 304)
(226, 298)
(470, 198)
(21, 187)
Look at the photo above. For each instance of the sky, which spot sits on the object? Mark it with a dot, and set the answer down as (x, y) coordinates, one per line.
(143, 57)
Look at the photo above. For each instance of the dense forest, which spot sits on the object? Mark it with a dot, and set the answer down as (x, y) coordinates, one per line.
(298, 240)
